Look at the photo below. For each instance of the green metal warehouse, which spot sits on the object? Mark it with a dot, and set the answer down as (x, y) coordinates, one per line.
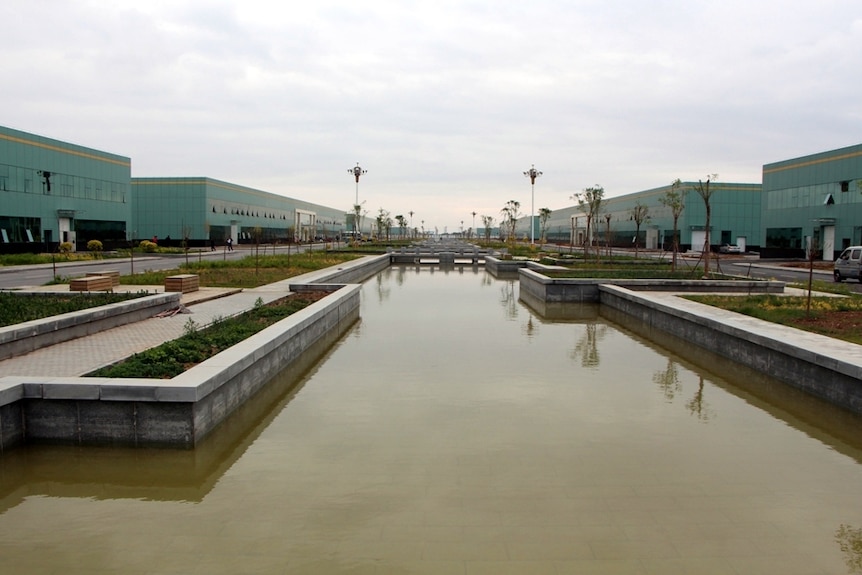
(56, 192)
(735, 219)
(813, 201)
(53, 191)
(204, 210)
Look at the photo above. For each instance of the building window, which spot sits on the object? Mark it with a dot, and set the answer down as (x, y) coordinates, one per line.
(845, 186)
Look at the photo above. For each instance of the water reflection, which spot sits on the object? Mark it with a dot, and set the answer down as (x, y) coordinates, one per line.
(587, 347)
(432, 440)
(382, 288)
(849, 540)
(698, 406)
(668, 380)
(509, 298)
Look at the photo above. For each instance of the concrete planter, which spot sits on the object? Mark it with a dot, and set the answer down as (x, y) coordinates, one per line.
(25, 337)
(179, 412)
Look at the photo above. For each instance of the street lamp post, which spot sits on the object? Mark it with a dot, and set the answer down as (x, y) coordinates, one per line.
(532, 173)
(356, 171)
(473, 230)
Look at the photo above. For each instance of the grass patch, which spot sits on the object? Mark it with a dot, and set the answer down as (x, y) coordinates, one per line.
(617, 272)
(248, 272)
(18, 308)
(196, 345)
(838, 317)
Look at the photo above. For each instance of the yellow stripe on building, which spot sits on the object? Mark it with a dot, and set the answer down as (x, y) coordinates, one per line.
(125, 163)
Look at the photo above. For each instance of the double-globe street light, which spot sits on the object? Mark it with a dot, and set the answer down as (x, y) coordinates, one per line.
(532, 173)
(356, 171)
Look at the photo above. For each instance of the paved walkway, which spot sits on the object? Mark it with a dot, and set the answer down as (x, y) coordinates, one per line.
(83, 355)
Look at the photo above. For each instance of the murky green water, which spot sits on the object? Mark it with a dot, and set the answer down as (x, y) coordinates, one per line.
(453, 431)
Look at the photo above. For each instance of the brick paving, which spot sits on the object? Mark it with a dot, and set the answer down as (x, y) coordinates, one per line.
(85, 354)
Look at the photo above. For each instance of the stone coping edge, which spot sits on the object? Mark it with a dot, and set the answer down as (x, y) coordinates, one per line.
(181, 411)
(563, 290)
(817, 364)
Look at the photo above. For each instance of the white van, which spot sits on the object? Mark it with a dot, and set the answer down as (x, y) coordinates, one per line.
(849, 264)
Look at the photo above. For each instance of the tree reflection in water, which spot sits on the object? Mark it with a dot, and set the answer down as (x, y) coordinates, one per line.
(668, 380)
(509, 299)
(849, 540)
(587, 348)
(698, 406)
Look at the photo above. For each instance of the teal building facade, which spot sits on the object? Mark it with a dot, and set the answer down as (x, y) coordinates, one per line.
(735, 219)
(813, 202)
(204, 210)
(53, 192)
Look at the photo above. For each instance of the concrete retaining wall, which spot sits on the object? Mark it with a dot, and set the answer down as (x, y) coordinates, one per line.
(29, 336)
(175, 413)
(497, 267)
(816, 364)
(560, 290)
(182, 411)
(355, 271)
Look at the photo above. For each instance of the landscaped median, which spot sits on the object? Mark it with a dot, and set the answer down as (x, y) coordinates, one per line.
(821, 366)
(177, 412)
(181, 411)
(542, 287)
(24, 337)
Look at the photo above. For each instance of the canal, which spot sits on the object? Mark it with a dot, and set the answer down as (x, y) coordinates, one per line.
(455, 431)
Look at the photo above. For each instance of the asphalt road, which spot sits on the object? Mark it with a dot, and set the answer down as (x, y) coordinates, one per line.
(18, 277)
(24, 276)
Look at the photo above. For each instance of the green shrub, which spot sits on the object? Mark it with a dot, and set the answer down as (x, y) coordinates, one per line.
(95, 246)
(148, 246)
(66, 248)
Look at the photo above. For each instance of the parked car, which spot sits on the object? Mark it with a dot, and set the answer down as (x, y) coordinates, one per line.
(849, 264)
(729, 249)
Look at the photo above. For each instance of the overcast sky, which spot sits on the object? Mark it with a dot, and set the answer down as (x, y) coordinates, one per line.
(446, 103)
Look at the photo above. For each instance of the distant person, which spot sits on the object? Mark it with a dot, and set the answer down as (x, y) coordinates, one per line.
(230, 244)
(212, 245)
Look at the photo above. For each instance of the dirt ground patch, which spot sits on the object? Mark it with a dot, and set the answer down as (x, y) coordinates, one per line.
(840, 324)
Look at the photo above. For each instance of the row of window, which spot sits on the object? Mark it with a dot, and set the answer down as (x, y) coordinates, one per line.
(25, 180)
(807, 196)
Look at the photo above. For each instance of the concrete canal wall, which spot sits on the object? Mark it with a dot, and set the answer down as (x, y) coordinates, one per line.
(182, 411)
(560, 290)
(819, 365)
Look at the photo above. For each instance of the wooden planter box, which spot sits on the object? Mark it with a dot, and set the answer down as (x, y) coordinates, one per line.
(92, 283)
(113, 274)
(182, 283)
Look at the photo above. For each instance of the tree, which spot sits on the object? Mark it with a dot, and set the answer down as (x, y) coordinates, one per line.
(402, 225)
(640, 214)
(488, 222)
(511, 212)
(704, 192)
(608, 233)
(384, 224)
(544, 216)
(590, 202)
(673, 199)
